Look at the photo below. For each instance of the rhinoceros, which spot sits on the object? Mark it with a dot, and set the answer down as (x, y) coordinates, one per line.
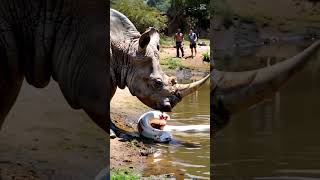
(134, 63)
(233, 92)
(58, 39)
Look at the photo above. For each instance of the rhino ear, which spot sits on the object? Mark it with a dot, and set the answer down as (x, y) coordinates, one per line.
(144, 40)
(146, 37)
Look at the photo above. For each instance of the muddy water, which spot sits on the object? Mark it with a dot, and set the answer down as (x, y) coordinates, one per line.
(188, 156)
(279, 138)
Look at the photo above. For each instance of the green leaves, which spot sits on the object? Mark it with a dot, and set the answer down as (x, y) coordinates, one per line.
(141, 15)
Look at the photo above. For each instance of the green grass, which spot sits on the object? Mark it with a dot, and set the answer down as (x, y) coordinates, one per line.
(166, 40)
(172, 63)
(124, 174)
(134, 143)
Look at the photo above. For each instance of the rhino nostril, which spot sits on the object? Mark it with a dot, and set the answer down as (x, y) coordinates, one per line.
(167, 103)
(173, 81)
(167, 106)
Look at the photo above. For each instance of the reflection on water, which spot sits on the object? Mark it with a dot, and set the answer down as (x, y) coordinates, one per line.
(277, 139)
(188, 156)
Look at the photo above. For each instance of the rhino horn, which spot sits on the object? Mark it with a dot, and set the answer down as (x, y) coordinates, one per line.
(237, 91)
(186, 89)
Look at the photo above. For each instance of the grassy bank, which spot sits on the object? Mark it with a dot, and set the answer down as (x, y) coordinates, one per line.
(121, 174)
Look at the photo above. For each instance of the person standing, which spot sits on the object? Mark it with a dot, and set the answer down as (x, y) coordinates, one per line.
(178, 37)
(193, 42)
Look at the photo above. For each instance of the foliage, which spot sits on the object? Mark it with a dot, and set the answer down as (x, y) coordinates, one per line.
(206, 57)
(141, 15)
(185, 14)
(122, 174)
(165, 40)
(161, 5)
(205, 54)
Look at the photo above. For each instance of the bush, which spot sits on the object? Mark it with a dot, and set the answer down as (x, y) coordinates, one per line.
(206, 57)
(141, 15)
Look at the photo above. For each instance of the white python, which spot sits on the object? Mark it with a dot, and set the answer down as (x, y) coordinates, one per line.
(146, 130)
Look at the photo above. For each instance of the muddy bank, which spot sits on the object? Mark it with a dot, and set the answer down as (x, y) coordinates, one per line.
(125, 112)
(246, 36)
(243, 25)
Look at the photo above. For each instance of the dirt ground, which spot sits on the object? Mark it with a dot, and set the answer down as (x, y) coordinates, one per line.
(43, 138)
(194, 63)
(125, 112)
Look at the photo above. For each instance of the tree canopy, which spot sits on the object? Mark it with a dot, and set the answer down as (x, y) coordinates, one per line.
(166, 15)
(141, 14)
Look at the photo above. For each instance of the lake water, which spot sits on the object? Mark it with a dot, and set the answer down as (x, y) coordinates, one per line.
(279, 138)
(188, 156)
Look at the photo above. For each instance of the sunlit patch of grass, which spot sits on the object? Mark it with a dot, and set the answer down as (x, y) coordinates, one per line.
(172, 63)
(121, 174)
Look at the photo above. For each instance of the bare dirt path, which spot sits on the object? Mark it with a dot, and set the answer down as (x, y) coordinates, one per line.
(195, 63)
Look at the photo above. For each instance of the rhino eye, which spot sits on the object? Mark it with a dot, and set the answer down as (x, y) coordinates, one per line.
(158, 47)
(158, 84)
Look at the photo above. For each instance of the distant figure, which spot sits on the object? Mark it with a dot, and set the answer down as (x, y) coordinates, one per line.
(193, 42)
(178, 37)
(197, 33)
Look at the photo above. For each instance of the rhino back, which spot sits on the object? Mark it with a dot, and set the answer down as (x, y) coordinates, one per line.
(121, 29)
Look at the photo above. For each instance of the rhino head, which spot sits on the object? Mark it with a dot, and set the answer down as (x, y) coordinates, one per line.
(135, 64)
(148, 82)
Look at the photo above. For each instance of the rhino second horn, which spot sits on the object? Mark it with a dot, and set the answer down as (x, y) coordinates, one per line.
(186, 89)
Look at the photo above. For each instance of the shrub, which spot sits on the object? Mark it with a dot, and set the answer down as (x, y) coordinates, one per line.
(206, 57)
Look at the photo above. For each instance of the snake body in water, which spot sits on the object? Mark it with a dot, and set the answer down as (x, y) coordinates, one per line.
(152, 125)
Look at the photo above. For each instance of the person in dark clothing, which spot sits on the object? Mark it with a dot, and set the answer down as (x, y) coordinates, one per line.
(178, 37)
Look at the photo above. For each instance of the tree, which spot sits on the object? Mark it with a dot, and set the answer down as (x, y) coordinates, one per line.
(161, 5)
(187, 14)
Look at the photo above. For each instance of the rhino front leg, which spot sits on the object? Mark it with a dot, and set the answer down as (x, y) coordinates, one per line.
(100, 120)
(90, 93)
(9, 90)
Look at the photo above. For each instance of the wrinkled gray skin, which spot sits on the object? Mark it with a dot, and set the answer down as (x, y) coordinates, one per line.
(59, 39)
(135, 64)
(232, 92)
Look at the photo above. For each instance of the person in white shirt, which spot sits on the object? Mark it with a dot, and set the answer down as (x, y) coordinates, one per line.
(193, 42)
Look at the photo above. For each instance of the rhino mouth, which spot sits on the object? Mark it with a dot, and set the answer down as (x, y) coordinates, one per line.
(169, 103)
(157, 123)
